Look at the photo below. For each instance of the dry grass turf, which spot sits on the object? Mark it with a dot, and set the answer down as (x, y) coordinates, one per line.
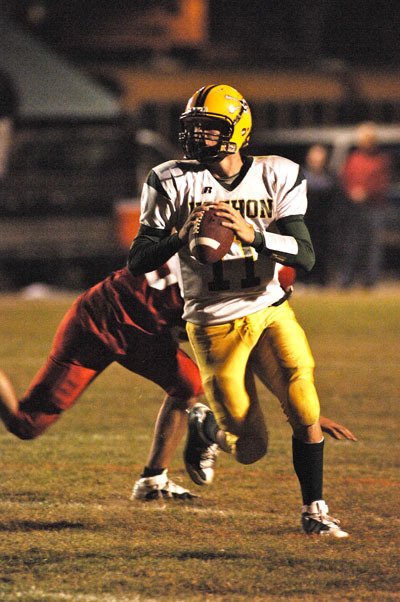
(70, 533)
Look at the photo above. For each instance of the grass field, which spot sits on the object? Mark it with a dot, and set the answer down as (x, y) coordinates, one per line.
(70, 533)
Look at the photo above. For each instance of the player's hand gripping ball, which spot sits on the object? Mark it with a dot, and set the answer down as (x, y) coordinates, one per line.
(209, 240)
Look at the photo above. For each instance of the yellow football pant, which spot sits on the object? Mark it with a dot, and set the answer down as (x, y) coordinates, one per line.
(271, 345)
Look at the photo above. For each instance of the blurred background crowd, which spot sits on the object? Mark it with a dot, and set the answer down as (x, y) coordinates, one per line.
(91, 92)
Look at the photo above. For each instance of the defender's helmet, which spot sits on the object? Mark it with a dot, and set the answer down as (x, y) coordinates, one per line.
(216, 122)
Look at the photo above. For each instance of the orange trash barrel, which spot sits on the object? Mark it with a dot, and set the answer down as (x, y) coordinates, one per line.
(127, 214)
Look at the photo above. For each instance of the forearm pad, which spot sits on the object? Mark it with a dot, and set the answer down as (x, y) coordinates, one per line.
(291, 246)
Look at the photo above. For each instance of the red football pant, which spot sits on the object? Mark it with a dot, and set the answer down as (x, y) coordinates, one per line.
(78, 357)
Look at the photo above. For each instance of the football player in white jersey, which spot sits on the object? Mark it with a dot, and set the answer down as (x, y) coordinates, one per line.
(237, 305)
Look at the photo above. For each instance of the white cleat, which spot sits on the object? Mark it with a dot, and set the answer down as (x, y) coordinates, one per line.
(315, 520)
(159, 487)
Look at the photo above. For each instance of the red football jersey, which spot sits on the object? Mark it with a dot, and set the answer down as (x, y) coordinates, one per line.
(150, 303)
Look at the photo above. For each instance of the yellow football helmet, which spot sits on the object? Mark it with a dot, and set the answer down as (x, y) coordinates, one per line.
(216, 122)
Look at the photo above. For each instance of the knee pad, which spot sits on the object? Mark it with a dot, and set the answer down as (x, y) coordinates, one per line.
(250, 449)
(303, 402)
(185, 389)
(30, 422)
(27, 427)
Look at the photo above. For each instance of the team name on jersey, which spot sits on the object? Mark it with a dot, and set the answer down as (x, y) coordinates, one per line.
(251, 208)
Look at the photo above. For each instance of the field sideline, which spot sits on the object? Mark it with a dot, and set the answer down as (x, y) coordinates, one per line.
(70, 533)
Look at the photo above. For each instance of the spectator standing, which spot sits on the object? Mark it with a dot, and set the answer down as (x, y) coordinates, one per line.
(365, 178)
(8, 112)
(320, 217)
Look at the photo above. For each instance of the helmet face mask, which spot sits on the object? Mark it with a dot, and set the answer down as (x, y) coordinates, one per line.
(204, 137)
(216, 123)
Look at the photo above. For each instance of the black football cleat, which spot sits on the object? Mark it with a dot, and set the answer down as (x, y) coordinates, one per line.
(200, 454)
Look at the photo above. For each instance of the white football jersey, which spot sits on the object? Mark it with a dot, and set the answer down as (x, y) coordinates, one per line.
(244, 281)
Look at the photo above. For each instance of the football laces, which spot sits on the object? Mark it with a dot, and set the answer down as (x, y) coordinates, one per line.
(197, 223)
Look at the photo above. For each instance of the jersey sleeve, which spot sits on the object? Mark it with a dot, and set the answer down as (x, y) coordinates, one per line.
(290, 188)
(157, 200)
(155, 244)
(290, 242)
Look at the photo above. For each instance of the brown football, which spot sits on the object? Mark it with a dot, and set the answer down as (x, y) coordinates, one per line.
(209, 240)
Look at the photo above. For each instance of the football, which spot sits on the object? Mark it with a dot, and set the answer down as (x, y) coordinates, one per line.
(209, 240)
